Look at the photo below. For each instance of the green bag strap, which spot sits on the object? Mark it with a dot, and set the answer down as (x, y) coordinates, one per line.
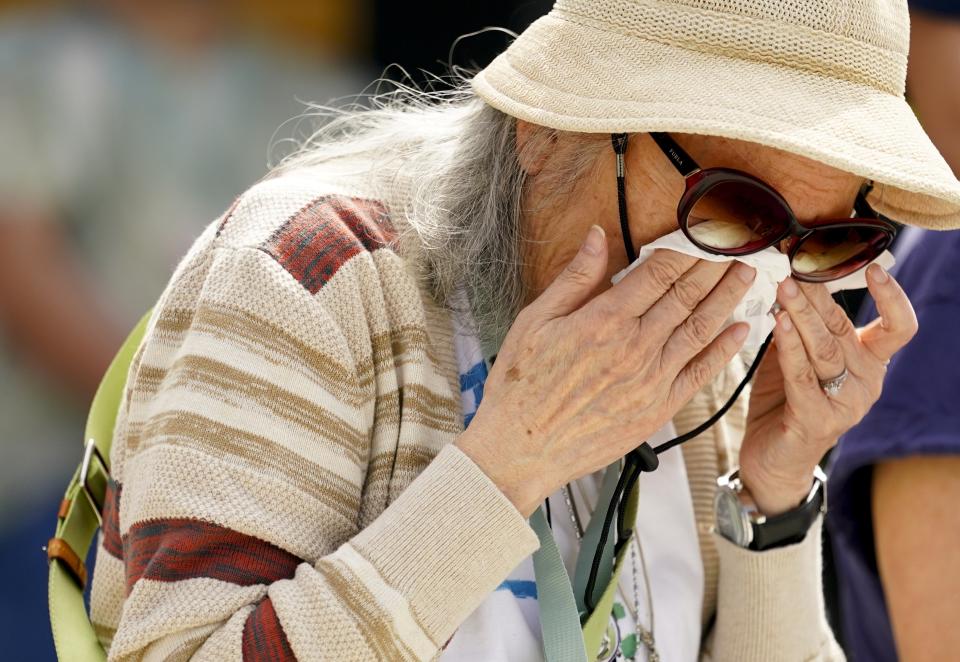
(564, 639)
(80, 514)
(559, 617)
(590, 542)
(598, 622)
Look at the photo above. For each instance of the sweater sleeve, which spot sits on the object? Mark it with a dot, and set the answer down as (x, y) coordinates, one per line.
(770, 605)
(245, 452)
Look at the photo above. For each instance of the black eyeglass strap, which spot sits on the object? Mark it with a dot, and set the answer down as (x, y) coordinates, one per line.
(644, 459)
(620, 148)
(681, 160)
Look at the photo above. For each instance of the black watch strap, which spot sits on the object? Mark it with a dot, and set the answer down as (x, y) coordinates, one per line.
(792, 526)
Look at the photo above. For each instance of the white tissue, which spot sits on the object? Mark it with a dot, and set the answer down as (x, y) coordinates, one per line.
(772, 267)
(858, 279)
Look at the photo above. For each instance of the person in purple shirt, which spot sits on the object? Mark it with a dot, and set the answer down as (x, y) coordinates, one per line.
(894, 487)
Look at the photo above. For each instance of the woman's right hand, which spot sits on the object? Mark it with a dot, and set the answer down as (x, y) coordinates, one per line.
(580, 381)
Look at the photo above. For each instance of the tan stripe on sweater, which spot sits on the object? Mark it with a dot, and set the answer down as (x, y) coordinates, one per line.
(190, 430)
(418, 404)
(262, 338)
(180, 482)
(403, 345)
(406, 458)
(373, 623)
(404, 620)
(237, 388)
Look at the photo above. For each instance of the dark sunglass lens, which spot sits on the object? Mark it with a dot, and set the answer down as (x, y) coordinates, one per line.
(737, 218)
(836, 252)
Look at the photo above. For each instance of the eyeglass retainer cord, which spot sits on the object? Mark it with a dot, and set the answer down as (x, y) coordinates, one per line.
(644, 458)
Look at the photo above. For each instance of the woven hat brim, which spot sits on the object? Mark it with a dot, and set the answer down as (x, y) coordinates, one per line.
(575, 77)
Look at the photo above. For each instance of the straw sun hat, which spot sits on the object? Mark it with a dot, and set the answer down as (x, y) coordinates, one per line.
(819, 78)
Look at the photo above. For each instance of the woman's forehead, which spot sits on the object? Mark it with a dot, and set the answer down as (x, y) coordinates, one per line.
(813, 189)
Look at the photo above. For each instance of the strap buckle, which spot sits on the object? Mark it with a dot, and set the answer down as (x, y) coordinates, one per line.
(91, 453)
(60, 549)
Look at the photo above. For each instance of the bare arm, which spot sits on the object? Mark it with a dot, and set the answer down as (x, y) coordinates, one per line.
(917, 531)
(48, 309)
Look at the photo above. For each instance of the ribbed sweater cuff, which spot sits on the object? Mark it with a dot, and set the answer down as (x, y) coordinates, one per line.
(770, 603)
(447, 541)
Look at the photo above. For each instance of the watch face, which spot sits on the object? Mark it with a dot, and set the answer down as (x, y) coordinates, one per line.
(729, 518)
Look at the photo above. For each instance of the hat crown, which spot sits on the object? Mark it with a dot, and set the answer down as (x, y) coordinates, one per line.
(862, 41)
(880, 23)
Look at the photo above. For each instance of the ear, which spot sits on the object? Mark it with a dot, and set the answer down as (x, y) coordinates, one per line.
(534, 146)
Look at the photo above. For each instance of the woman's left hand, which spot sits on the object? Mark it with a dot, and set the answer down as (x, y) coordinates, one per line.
(792, 422)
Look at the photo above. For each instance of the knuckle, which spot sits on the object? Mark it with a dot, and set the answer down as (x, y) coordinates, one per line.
(701, 372)
(837, 321)
(663, 272)
(912, 327)
(806, 375)
(802, 306)
(688, 293)
(697, 330)
(578, 272)
(829, 352)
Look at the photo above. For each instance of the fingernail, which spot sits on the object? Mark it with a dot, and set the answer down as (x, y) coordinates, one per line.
(594, 241)
(878, 274)
(745, 272)
(740, 332)
(785, 322)
(790, 288)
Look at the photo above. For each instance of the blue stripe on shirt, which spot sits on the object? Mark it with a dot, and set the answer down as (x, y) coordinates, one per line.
(521, 588)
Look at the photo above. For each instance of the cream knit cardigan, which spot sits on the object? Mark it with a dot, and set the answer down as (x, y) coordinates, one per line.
(285, 484)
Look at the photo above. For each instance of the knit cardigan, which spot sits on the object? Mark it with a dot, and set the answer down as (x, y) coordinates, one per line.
(285, 484)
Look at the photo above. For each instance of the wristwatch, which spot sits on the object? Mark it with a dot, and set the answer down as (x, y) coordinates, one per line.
(739, 521)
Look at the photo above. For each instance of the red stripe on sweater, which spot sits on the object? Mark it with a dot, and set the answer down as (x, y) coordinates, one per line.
(174, 549)
(263, 636)
(324, 235)
(112, 542)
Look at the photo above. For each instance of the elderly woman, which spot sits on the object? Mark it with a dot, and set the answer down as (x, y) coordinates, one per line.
(293, 474)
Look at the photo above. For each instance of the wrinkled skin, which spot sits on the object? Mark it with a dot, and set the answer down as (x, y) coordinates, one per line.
(590, 370)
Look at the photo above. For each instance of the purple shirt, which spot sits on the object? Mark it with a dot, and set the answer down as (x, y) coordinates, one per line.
(918, 414)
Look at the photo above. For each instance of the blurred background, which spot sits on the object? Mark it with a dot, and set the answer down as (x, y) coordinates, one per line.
(125, 127)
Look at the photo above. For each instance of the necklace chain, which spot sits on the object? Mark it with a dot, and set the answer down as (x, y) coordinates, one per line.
(644, 635)
(572, 511)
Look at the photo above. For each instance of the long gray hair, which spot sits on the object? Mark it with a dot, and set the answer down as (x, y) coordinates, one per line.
(458, 159)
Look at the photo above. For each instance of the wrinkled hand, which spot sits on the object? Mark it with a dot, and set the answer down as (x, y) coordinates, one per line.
(581, 379)
(791, 421)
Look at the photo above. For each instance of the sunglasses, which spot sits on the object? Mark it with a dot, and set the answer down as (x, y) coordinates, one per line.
(728, 212)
